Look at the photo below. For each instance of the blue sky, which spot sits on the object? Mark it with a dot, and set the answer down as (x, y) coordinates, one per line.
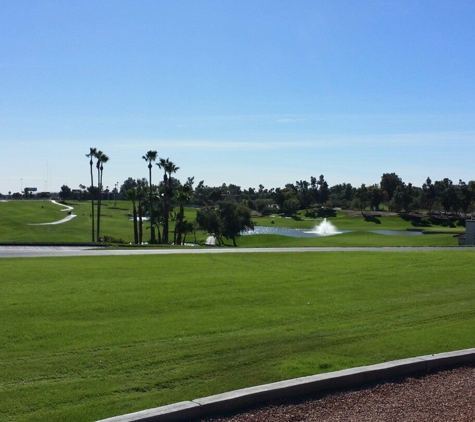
(243, 92)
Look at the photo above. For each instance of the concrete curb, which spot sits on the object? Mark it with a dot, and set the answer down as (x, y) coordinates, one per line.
(331, 381)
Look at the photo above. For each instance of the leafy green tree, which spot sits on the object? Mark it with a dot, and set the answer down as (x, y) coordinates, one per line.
(287, 199)
(65, 192)
(408, 197)
(389, 183)
(264, 206)
(314, 189)
(235, 218)
(397, 201)
(429, 194)
(149, 157)
(186, 227)
(375, 196)
(403, 198)
(208, 219)
(363, 197)
(128, 184)
(448, 194)
(323, 191)
(291, 206)
(304, 194)
(466, 195)
(342, 195)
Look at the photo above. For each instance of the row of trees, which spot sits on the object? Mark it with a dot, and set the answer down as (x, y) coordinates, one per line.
(392, 193)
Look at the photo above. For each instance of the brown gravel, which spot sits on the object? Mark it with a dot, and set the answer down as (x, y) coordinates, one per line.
(439, 397)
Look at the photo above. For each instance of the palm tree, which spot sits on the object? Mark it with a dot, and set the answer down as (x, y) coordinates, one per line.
(183, 196)
(187, 227)
(151, 156)
(101, 159)
(168, 168)
(91, 155)
(141, 198)
(131, 195)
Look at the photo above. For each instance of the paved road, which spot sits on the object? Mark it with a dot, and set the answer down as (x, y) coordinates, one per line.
(49, 251)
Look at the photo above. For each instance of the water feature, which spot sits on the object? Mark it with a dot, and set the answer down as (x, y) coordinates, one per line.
(325, 228)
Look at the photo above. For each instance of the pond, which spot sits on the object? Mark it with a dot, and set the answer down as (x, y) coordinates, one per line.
(285, 231)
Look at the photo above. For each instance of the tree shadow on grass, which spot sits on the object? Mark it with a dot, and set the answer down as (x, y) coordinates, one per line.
(372, 219)
(416, 220)
(443, 222)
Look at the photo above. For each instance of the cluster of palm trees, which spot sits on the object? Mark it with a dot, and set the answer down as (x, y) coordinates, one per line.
(101, 159)
(168, 168)
(160, 202)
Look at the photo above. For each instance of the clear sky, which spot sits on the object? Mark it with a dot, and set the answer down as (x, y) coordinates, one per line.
(247, 92)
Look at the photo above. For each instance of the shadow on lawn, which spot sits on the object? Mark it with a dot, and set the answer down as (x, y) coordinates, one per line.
(433, 220)
(372, 219)
(321, 213)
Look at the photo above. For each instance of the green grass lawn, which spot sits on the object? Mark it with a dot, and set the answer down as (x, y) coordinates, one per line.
(356, 239)
(16, 218)
(91, 337)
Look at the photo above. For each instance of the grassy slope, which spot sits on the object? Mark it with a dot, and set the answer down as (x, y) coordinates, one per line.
(87, 338)
(15, 216)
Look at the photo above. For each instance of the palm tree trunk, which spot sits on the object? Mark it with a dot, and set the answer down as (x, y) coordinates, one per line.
(180, 224)
(92, 201)
(99, 185)
(166, 212)
(152, 220)
(136, 233)
(165, 226)
(159, 240)
(140, 223)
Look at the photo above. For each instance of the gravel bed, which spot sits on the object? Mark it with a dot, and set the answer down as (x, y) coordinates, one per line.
(438, 397)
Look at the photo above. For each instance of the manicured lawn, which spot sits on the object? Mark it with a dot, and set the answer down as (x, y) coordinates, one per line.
(356, 239)
(87, 338)
(16, 218)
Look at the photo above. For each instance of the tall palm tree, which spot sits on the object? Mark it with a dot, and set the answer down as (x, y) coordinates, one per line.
(168, 168)
(151, 156)
(183, 196)
(91, 155)
(101, 159)
(141, 199)
(131, 195)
